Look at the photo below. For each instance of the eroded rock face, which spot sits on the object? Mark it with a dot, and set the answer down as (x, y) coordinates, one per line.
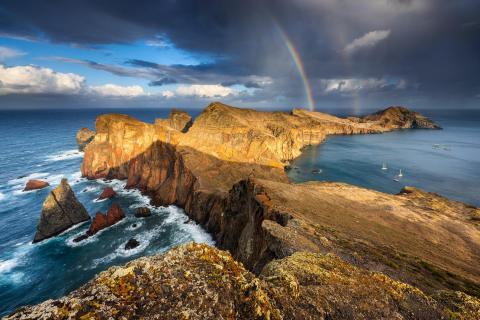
(227, 173)
(61, 210)
(178, 120)
(35, 185)
(84, 137)
(102, 221)
(195, 281)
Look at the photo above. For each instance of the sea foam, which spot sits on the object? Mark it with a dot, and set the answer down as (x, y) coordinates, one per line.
(65, 155)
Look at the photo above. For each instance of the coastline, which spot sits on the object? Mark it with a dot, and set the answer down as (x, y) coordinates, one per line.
(249, 219)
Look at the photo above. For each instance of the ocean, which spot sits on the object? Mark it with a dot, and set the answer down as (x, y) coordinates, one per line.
(41, 144)
(445, 161)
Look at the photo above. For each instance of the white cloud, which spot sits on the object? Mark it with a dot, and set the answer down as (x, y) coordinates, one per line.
(32, 79)
(205, 90)
(368, 40)
(38, 80)
(113, 90)
(167, 94)
(351, 85)
(8, 53)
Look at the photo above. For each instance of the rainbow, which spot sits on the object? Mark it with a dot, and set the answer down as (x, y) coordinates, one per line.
(299, 65)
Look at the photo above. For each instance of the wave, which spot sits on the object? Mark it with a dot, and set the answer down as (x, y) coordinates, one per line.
(144, 238)
(132, 227)
(2, 196)
(8, 265)
(65, 155)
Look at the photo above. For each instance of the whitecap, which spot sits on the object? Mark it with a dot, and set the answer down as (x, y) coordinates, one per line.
(8, 265)
(22, 180)
(65, 155)
(2, 196)
(144, 238)
(132, 227)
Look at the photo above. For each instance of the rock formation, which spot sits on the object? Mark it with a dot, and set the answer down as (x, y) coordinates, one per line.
(319, 250)
(102, 221)
(61, 210)
(195, 281)
(143, 212)
(131, 243)
(178, 120)
(35, 185)
(107, 193)
(227, 172)
(401, 118)
(84, 136)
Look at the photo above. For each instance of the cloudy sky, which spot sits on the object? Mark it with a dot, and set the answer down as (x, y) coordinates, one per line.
(316, 54)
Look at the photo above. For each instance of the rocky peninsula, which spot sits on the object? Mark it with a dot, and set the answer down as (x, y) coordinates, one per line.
(315, 250)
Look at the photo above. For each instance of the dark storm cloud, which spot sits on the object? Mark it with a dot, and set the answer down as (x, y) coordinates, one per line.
(432, 45)
(162, 82)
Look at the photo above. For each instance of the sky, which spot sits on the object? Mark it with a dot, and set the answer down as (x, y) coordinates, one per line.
(277, 54)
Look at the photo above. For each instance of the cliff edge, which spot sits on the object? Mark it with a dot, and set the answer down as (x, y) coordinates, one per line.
(195, 281)
(318, 249)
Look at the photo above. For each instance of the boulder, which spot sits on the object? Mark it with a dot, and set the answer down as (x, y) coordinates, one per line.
(35, 185)
(61, 210)
(107, 193)
(143, 212)
(84, 137)
(102, 221)
(131, 243)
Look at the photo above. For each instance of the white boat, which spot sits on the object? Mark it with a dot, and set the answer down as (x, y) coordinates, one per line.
(400, 174)
(384, 166)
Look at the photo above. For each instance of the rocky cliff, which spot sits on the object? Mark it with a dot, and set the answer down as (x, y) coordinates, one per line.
(227, 171)
(195, 281)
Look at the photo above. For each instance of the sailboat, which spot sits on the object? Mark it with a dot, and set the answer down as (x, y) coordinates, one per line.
(398, 176)
(384, 166)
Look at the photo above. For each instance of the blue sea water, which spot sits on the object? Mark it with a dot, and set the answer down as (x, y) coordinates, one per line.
(443, 161)
(41, 144)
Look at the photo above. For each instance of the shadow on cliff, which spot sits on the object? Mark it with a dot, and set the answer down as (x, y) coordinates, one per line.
(214, 192)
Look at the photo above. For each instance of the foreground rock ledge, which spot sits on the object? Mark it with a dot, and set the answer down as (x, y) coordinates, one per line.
(196, 281)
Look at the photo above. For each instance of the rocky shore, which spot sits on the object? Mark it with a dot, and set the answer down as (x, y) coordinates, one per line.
(312, 250)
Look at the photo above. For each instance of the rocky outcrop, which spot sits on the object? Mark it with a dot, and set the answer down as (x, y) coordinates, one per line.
(195, 281)
(107, 193)
(131, 244)
(102, 221)
(143, 212)
(178, 120)
(227, 172)
(61, 210)
(35, 185)
(84, 136)
(401, 118)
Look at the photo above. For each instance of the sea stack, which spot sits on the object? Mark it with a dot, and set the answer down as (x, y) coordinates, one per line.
(61, 210)
(84, 136)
